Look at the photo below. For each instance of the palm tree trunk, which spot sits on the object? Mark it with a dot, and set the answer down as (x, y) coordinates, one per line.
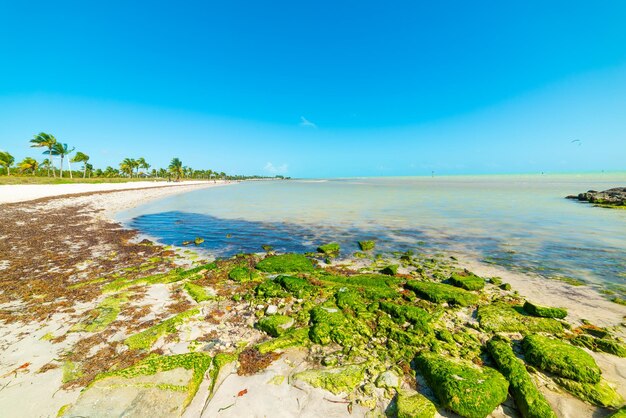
(70, 167)
(51, 165)
(61, 168)
(85, 171)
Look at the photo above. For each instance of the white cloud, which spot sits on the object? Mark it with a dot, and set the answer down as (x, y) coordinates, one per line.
(307, 123)
(272, 169)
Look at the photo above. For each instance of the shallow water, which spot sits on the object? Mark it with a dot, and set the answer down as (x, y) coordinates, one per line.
(521, 222)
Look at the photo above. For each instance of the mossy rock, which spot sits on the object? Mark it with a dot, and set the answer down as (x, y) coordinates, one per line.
(285, 263)
(350, 299)
(270, 289)
(145, 339)
(599, 394)
(297, 286)
(275, 325)
(362, 280)
(338, 380)
(198, 293)
(390, 270)
(619, 414)
(462, 387)
(544, 311)
(502, 317)
(529, 400)
(600, 344)
(329, 324)
(291, 338)
(242, 274)
(440, 293)
(411, 404)
(329, 250)
(560, 358)
(505, 286)
(407, 313)
(367, 245)
(198, 240)
(467, 281)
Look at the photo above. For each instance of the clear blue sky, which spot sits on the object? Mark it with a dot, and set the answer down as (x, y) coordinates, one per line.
(320, 89)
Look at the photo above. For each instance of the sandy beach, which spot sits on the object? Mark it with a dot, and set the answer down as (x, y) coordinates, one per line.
(65, 265)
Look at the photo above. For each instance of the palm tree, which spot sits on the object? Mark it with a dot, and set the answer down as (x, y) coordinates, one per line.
(88, 169)
(81, 158)
(111, 172)
(46, 164)
(45, 140)
(176, 168)
(6, 160)
(141, 163)
(29, 164)
(127, 166)
(62, 151)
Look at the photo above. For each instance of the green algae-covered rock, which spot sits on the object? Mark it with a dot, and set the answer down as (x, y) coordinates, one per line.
(411, 404)
(328, 324)
(242, 274)
(297, 286)
(270, 289)
(529, 400)
(198, 293)
(285, 263)
(407, 313)
(502, 317)
(599, 394)
(390, 270)
(467, 281)
(544, 311)
(468, 390)
(291, 338)
(600, 344)
(329, 250)
(367, 245)
(275, 325)
(619, 414)
(505, 286)
(350, 299)
(560, 358)
(338, 380)
(440, 293)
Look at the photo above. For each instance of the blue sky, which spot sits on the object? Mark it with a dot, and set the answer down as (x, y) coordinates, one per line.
(321, 89)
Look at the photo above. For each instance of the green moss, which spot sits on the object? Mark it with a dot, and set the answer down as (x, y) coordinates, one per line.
(198, 362)
(619, 301)
(108, 310)
(198, 240)
(219, 361)
(350, 300)
(501, 317)
(291, 338)
(362, 280)
(569, 280)
(462, 387)
(412, 404)
(198, 293)
(275, 325)
(329, 250)
(467, 281)
(270, 289)
(47, 337)
(529, 400)
(297, 286)
(339, 380)
(171, 276)
(71, 371)
(505, 286)
(243, 274)
(544, 311)
(620, 414)
(328, 324)
(145, 339)
(600, 344)
(407, 313)
(285, 263)
(63, 409)
(495, 280)
(599, 394)
(560, 358)
(390, 270)
(440, 293)
(367, 245)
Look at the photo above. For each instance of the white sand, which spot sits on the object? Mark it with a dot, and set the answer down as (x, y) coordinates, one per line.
(26, 192)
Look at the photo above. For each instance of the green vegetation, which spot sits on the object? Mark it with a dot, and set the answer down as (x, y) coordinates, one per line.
(297, 286)
(442, 293)
(197, 293)
(467, 281)
(570, 280)
(599, 394)
(412, 404)
(329, 250)
(367, 245)
(286, 263)
(145, 339)
(291, 338)
(600, 344)
(338, 380)
(462, 387)
(328, 324)
(270, 289)
(544, 311)
(528, 399)
(243, 274)
(560, 358)
(107, 312)
(502, 317)
(275, 325)
(407, 313)
(390, 270)
(620, 414)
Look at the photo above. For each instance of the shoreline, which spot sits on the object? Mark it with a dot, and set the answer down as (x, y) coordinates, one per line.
(46, 324)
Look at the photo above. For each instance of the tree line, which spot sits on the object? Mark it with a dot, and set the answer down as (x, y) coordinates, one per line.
(55, 151)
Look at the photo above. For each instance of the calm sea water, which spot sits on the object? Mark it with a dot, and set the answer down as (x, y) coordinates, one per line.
(521, 222)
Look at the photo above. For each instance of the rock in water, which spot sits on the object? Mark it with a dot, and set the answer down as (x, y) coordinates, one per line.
(610, 197)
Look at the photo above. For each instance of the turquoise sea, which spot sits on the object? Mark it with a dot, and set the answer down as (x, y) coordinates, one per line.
(519, 222)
